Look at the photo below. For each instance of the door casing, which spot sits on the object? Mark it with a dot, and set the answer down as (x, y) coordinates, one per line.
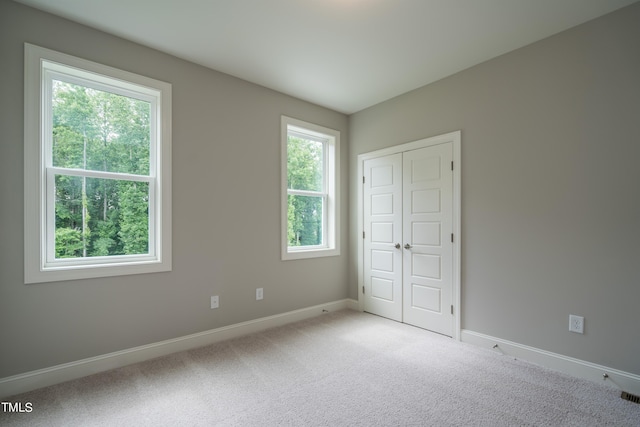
(455, 139)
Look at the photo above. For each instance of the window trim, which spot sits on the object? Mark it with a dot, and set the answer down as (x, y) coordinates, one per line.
(331, 214)
(41, 64)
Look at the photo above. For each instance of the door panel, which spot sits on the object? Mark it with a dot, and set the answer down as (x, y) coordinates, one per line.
(426, 233)
(382, 288)
(382, 260)
(426, 266)
(383, 229)
(382, 204)
(382, 232)
(425, 201)
(426, 298)
(428, 224)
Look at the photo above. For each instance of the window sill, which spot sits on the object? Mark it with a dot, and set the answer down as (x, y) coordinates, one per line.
(309, 253)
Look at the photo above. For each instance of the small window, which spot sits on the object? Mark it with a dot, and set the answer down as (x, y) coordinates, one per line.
(310, 182)
(97, 170)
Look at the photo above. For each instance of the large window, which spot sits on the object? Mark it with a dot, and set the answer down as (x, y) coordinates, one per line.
(97, 170)
(310, 219)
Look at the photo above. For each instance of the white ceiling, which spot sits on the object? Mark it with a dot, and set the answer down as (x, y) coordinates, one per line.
(343, 54)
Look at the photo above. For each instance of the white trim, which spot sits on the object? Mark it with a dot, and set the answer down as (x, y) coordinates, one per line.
(455, 138)
(626, 381)
(331, 230)
(28, 381)
(40, 262)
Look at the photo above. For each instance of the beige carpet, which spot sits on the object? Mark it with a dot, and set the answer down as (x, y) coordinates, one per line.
(340, 369)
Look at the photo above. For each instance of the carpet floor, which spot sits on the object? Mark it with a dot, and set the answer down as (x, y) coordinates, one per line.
(341, 369)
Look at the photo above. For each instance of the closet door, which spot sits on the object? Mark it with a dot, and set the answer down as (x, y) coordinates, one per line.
(408, 248)
(382, 208)
(427, 238)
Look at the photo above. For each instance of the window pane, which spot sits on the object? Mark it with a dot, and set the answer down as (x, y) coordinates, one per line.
(304, 219)
(100, 217)
(98, 130)
(305, 164)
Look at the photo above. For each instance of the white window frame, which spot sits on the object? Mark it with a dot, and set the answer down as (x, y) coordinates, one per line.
(40, 264)
(331, 194)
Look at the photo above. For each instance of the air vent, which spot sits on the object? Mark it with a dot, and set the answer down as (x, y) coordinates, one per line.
(630, 397)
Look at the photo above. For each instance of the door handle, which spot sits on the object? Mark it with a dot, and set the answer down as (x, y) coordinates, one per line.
(407, 246)
(397, 245)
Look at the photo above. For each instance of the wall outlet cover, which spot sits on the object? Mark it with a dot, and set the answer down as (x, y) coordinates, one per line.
(576, 324)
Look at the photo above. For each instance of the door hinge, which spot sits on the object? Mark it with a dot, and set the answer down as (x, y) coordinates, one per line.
(452, 165)
(451, 237)
(363, 234)
(363, 289)
(452, 309)
(363, 179)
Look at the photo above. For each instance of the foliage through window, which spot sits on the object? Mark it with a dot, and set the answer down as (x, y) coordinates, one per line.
(100, 166)
(306, 196)
(310, 157)
(99, 131)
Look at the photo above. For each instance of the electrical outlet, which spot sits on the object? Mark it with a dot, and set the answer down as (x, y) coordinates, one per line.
(576, 324)
(259, 294)
(215, 301)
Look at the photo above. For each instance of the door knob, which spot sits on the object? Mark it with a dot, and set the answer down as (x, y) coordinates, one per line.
(407, 246)
(397, 245)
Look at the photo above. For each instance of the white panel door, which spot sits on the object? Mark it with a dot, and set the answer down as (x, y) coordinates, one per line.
(382, 207)
(427, 238)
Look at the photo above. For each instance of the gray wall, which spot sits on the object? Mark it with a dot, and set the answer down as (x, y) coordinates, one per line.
(550, 199)
(226, 212)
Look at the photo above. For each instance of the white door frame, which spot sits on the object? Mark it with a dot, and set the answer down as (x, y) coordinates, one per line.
(455, 139)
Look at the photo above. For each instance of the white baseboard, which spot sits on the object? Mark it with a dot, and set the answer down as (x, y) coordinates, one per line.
(28, 381)
(578, 368)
